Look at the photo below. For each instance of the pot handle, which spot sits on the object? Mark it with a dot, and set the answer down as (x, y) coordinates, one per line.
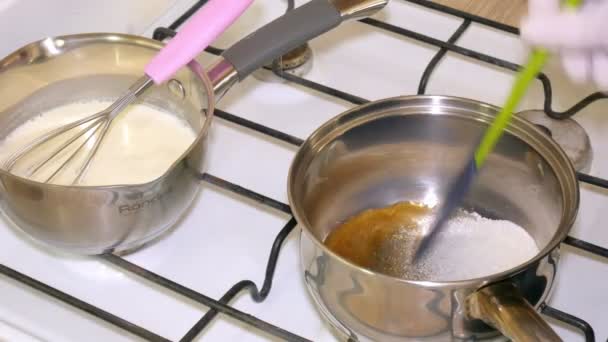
(502, 306)
(201, 29)
(294, 29)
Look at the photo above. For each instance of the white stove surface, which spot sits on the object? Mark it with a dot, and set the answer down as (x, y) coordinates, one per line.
(226, 238)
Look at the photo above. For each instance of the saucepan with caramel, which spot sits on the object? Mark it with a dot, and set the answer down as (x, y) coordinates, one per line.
(364, 188)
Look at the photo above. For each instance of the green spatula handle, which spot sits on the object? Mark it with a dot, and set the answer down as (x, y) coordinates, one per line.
(535, 63)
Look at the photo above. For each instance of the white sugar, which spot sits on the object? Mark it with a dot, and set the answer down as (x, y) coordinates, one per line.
(471, 246)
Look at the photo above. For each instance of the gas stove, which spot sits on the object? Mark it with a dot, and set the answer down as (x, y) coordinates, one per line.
(230, 269)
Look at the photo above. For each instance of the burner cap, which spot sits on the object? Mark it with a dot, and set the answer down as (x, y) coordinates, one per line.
(297, 62)
(571, 137)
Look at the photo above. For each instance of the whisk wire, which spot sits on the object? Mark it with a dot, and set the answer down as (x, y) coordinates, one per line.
(82, 171)
(10, 163)
(99, 123)
(32, 171)
(78, 149)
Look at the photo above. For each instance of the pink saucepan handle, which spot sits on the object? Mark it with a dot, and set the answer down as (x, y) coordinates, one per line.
(198, 32)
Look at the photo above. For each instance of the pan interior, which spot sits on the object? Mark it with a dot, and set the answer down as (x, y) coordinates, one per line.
(400, 158)
(86, 68)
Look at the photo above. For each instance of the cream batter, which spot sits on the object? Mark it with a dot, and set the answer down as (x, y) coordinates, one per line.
(140, 145)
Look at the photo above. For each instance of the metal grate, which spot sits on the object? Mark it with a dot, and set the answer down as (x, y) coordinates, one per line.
(258, 295)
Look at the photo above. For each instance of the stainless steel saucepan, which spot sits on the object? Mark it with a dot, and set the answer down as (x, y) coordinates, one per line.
(60, 70)
(407, 149)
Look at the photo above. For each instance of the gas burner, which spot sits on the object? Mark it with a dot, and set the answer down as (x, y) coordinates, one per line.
(568, 134)
(297, 62)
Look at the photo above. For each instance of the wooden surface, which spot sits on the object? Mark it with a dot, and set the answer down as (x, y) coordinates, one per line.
(504, 11)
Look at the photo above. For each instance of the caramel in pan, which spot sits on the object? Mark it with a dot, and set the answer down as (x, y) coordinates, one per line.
(381, 239)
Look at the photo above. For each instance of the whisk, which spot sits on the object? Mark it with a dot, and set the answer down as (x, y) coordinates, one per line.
(204, 27)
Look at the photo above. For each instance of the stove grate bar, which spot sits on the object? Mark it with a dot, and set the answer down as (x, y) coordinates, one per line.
(547, 107)
(290, 139)
(493, 61)
(439, 55)
(586, 246)
(600, 182)
(441, 44)
(570, 320)
(199, 297)
(186, 15)
(465, 15)
(250, 194)
(79, 304)
(354, 99)
(250, 286)
(162, 33)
